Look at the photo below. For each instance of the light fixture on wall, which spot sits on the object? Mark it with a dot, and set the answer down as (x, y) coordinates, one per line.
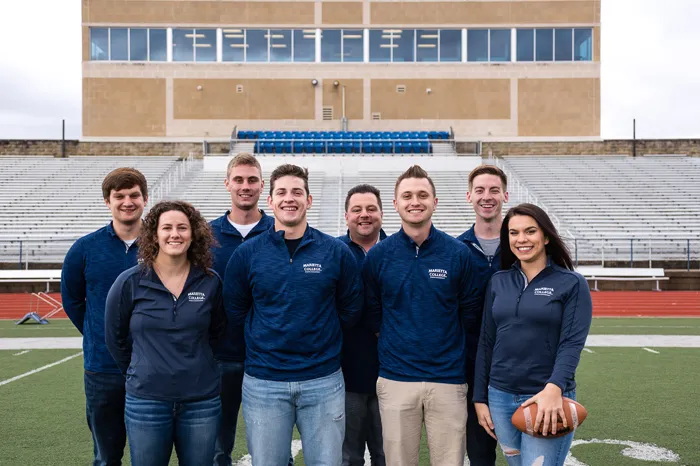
(336, 84)
(314, 82)
(199, 87)
(428, 90)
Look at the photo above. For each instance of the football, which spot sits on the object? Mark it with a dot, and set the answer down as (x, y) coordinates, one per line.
(524, 419)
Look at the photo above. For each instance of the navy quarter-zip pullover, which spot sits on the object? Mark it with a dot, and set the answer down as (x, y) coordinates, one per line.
(292, 306)
(421, 300)
(532, 333)
(161, 343)
(90, 268)
(231, 347)
(360, 361)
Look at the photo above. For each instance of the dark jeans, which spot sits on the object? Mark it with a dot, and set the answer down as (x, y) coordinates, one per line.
(104, 410)
(155, 426)
(231, 386)
(481, 447)
(362, 425)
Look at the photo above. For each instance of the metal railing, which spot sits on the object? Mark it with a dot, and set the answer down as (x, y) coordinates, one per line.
(170, 179)
(300, 146)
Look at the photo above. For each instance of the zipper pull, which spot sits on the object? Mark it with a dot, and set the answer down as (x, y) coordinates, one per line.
(417, 249)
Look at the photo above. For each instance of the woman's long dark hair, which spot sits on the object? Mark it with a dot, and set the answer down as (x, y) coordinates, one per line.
(556, 248)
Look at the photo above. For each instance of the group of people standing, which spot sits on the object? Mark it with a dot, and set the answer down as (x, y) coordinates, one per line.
(358, 341)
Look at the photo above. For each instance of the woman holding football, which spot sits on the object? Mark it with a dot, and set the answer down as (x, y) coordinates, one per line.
(537, 314)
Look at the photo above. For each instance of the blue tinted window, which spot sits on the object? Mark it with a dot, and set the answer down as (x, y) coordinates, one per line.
(500, 44)
(257, 45)
(525, 45)
(119, 44)
(583, 44)
(205, 44)
(138, 44)
(99, 44)
(379, 45)
(330, 45)
(451, 45)
(305, 45)
(563, 44)
(280, 45)
(233, 45)
(478, 45)
(352, 45)
(158, 44)
(183, 44)
(427, 45)
(403, 46)
(544, 44)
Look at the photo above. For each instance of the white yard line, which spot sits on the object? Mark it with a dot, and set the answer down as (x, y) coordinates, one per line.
(639, 341)
(588, 350)
(21, 376)
(651, 350)
(41, 343)
(21, 353)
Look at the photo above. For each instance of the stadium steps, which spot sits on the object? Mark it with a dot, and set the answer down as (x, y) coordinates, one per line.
(443, 148)
(239, 147)
(15, 305)
(646, 303)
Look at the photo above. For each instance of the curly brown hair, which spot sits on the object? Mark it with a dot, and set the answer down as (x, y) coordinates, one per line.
(199, 252)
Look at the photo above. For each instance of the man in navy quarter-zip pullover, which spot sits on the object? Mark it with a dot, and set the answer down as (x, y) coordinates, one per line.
(244, 221)
(422, 293)
(90, 268)
(487, 192)
(293, 286)
(360, 362)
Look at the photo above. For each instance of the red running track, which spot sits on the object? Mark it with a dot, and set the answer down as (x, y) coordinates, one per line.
(605, 304)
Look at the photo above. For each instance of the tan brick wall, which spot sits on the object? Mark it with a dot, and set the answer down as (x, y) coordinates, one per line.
(354, 94)
(468, 99)
(123, 107)
(261, 99)
(342, 13)
(596, 44)
(174, 12)
(559, 107)
(487, 13)
(86, 43)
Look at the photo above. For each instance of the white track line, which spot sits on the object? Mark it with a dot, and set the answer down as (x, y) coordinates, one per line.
(639, 341)
(5, 382)
(588, 350)
(651, 350)
(21, 353)
(41, 343)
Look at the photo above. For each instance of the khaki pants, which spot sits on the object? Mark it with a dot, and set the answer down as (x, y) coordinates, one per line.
(404, 406)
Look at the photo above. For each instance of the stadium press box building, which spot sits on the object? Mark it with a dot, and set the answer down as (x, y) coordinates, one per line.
(489, 69)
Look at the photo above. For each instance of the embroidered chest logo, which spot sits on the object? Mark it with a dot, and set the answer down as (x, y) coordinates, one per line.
(313, 268)
(544, 291)
(139, 260)
(195, 296)
(439, 274)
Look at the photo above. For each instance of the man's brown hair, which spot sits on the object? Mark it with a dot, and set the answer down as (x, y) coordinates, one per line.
(243, 158)
(124, 178)
(289, 170)
(414, 172)
(488, 170)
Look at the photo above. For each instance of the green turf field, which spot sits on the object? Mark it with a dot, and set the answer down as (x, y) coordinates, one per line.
(43, 414)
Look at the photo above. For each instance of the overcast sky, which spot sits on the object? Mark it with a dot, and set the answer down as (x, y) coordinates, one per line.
(650, 71)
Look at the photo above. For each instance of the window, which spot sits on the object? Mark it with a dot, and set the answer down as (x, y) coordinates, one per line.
(353, 48)
(119, 44)
(563, 45)
(499, 47)
(583, 44)
(450, 45)
(380, 45)
(427, 45)
(305, 45)
(257, 45)
(342, 45)
(392, 45)
(194, 45)
(138, 44)
(233, 45)
(331, 45)
(525, 45)
(280, 45)
(478, 45)
(183, 46)
(158, 44)
(544, 44)
(99, 44)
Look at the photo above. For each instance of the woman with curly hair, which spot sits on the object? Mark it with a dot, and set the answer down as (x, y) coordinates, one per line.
(160, 319)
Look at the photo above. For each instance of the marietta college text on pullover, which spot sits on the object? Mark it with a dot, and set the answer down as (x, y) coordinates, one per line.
(292, 306)
(532, 333)
(421, 299)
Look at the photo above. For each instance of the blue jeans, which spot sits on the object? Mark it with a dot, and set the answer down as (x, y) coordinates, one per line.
(104, 410)
(154, 426)
(553, 450)
(231, 388)
(317, 406)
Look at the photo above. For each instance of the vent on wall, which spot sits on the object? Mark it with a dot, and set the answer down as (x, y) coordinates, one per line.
(401, 88)
(376, 116)
(239, 89)
(327, 113)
